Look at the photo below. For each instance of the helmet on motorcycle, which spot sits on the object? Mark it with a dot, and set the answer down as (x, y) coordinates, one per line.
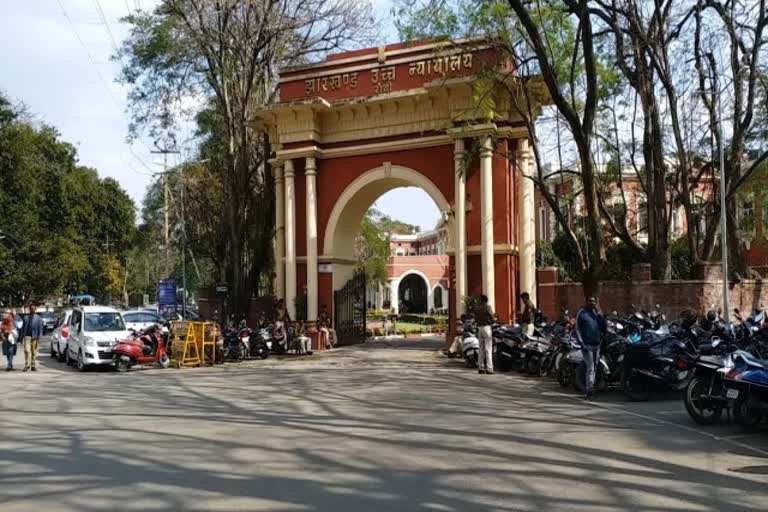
(688, 318)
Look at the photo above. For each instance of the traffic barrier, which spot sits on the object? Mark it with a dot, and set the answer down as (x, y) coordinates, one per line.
(193, 343)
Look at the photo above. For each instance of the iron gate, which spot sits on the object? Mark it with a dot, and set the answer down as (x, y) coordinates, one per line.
(350, 307)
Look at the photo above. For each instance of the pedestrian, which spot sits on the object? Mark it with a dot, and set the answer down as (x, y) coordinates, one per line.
(281, 317)
(590, 328)
(327, 335)
(528, 318)
(8, 337)
(484, 318)
(304, 343)
(31, 332)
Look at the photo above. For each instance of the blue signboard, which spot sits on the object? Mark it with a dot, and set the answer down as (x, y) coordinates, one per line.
(166, 300)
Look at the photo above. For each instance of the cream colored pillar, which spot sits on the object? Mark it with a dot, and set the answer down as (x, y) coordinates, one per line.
(279, 285)
(394, 297)
(460, 218)
(310, 170)
(486, 215)
(290, 239)
(379, 296)
(526, 222)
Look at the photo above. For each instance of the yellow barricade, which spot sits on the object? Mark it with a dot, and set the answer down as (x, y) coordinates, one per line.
(193, 343)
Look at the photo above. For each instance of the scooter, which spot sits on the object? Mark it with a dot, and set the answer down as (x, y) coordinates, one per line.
(148, 347)
(470, 344)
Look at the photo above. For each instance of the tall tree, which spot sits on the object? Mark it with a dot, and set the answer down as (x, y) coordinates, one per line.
(224, 55)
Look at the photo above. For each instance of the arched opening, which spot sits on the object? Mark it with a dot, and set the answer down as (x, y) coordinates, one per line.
(440, 301)
(344, 221)
(413, 294)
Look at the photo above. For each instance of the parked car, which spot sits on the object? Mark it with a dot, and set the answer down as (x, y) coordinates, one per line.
(49, 321)
(60, 335)
(94, 332)
(141, 320)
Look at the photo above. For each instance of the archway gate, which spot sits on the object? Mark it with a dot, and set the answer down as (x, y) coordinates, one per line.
(350, 128)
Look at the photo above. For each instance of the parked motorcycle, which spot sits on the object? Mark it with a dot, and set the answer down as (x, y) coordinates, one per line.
(237, 342)
(706, 396)
(147, 347)
(259, 342)
(747, 385)
(507, 345)
(656, 363)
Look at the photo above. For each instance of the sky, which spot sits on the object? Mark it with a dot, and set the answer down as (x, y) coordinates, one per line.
(55, 58)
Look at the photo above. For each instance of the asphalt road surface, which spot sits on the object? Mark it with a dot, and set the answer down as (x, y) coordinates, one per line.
(377, 427)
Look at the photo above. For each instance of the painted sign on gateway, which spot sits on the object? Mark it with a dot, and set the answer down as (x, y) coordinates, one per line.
(371, 78)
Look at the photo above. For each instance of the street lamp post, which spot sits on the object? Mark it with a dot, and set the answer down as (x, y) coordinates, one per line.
(723, 209)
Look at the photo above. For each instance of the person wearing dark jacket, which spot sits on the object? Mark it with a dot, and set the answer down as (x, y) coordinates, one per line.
(590, 328)
(30, 334)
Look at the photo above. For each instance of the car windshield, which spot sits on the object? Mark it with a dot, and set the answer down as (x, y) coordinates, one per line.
(104, 322)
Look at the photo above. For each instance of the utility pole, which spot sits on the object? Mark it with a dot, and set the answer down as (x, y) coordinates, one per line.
(183, 251)
(165, 151)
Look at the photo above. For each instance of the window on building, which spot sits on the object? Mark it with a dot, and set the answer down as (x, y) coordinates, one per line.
(543, 223)
(438, 297)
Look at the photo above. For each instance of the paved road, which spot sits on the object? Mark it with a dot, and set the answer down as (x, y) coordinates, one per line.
(372, 428)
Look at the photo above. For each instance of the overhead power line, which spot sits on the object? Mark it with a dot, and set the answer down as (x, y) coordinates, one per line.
(102, 79)
(106, 26)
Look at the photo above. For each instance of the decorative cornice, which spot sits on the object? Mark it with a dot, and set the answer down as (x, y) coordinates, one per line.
(365, 149)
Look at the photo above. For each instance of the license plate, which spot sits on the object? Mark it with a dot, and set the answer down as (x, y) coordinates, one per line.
(682, 375)
(732, 394)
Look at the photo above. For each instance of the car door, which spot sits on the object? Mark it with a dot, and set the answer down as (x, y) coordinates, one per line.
(75, 333)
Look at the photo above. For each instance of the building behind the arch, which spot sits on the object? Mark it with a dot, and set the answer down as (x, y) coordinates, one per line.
(423, 255)
(349, 129)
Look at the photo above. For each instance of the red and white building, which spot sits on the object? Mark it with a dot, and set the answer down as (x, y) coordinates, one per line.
(418, 274)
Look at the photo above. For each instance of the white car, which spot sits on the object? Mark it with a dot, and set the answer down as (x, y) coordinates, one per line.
(93, 334)
(141, 320)
(60, 335)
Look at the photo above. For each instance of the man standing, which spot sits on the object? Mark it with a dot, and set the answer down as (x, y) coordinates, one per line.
(528, 318)
(31, 332)
(590, 328)
(484, 318)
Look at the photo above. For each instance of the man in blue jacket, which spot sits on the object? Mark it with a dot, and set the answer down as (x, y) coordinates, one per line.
(590, 328)
(30, 334)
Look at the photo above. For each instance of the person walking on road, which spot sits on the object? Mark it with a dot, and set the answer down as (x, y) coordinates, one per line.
(31, 332)
(8, 337)
(484, 318)
(590, 328)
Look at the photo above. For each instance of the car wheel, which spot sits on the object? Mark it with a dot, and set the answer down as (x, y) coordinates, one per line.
(63, 354)
(54, 354)
(80, 361)
(68, 359)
